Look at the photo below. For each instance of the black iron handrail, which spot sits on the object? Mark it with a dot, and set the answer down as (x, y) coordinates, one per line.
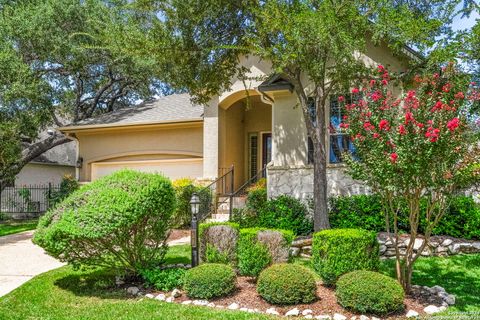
(209, 195)
(260, 174)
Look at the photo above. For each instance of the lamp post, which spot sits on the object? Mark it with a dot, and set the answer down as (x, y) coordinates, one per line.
(195, 206)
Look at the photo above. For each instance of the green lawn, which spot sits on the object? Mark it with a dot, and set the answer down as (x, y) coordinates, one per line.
(67, 294)
(11, 227)
(459, 275)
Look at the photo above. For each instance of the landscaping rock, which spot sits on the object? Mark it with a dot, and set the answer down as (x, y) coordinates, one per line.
(161, 297)
(412, 314)
(338, 316)
(299, 243)
(375, 318)
(307, 312)
(449, 299)
(431, 309)
(133, 290)
(364, 317)
(233, 306)
(447, 242)
(170, 299)
(292, 313)
(308, 316)
(323, 317)
(272, 311)
(149, 295)
(294, 251)
(219, 307)
(200, 302)
(187, 302)
(176, 293)
(243, 309)
(211, 305)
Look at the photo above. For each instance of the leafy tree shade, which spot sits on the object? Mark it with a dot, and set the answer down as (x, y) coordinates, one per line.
(314, 44)
(55, 70)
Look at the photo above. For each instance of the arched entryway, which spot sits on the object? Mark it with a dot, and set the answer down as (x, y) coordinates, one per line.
(245, 136)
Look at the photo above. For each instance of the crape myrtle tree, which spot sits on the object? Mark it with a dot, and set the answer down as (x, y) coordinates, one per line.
(55, 69)
(412, 148)
(316, 45)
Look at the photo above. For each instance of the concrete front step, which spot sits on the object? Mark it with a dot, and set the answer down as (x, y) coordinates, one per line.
(219, 218)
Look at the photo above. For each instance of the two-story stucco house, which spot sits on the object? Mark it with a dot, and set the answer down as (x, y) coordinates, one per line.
(180, 139)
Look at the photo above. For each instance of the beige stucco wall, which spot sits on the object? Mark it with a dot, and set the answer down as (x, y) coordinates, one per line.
(159, 142)
(42, 174)
(236, 123)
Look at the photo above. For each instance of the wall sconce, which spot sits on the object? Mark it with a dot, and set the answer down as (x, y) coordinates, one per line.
(79, 163)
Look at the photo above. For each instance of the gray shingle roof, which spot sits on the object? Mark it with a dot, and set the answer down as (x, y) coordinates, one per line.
(175, 107)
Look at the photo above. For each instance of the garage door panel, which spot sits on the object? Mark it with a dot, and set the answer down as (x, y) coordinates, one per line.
(171, 168)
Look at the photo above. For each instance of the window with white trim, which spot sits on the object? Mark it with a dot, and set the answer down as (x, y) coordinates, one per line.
(338, 141)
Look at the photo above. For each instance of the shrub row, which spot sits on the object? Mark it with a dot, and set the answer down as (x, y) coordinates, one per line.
(462, 219)
(284, 212)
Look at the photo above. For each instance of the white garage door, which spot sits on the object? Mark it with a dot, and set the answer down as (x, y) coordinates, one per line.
(171, 168)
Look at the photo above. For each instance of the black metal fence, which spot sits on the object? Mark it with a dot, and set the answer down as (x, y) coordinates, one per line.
(32, 199)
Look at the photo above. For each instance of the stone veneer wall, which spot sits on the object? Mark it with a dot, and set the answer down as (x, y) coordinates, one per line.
(297, 181)
(437, 246)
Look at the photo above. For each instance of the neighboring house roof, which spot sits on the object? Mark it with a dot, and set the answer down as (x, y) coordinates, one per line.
(172, 108)
(63, 155)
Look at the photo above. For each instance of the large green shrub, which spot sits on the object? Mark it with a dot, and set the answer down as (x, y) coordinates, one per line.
(339, 251)
(120, 221)
(209, 280)
(285, 212)
(287, 284)
(259, 247)
(218, 242)
(369, 292)
(184, 188)
(163, 279)
(461, 220)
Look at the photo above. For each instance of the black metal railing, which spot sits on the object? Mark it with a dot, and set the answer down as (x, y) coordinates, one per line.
(215, 194)
(32, 199)
(242, 190)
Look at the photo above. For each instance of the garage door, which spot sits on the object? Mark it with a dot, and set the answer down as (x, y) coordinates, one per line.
(171, 168)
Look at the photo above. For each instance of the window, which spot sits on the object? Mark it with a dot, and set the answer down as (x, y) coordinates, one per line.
(339, 142)
(253, 154)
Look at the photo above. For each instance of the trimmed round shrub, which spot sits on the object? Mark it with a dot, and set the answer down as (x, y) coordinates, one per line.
(120, 221)
(369, 292)
(339, 251)
(287, 284)
(259, 247)
(209, 280)
(218, 242)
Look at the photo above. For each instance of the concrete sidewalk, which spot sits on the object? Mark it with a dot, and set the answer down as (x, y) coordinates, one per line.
(21, 260)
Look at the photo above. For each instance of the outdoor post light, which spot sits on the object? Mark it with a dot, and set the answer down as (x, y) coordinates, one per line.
(195, 205)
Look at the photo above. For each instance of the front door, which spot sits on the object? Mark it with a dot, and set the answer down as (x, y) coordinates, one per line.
(266, 149)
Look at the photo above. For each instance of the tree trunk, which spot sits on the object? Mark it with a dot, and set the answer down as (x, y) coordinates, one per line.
(31, 152)
(320, 217)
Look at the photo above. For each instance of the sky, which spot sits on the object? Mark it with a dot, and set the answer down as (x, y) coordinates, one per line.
(460, 23)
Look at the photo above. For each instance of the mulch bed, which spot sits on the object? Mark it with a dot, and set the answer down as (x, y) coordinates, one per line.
(247, 297)
(176, 234)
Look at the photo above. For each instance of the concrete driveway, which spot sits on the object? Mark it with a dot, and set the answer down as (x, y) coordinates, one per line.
(21, 260)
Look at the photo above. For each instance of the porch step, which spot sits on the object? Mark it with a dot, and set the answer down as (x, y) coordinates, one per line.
(219, 217)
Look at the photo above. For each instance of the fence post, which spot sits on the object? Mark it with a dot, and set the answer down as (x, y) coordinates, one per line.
(49, 195)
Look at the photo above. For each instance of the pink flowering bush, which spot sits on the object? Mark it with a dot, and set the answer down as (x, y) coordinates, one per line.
(411, 146)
